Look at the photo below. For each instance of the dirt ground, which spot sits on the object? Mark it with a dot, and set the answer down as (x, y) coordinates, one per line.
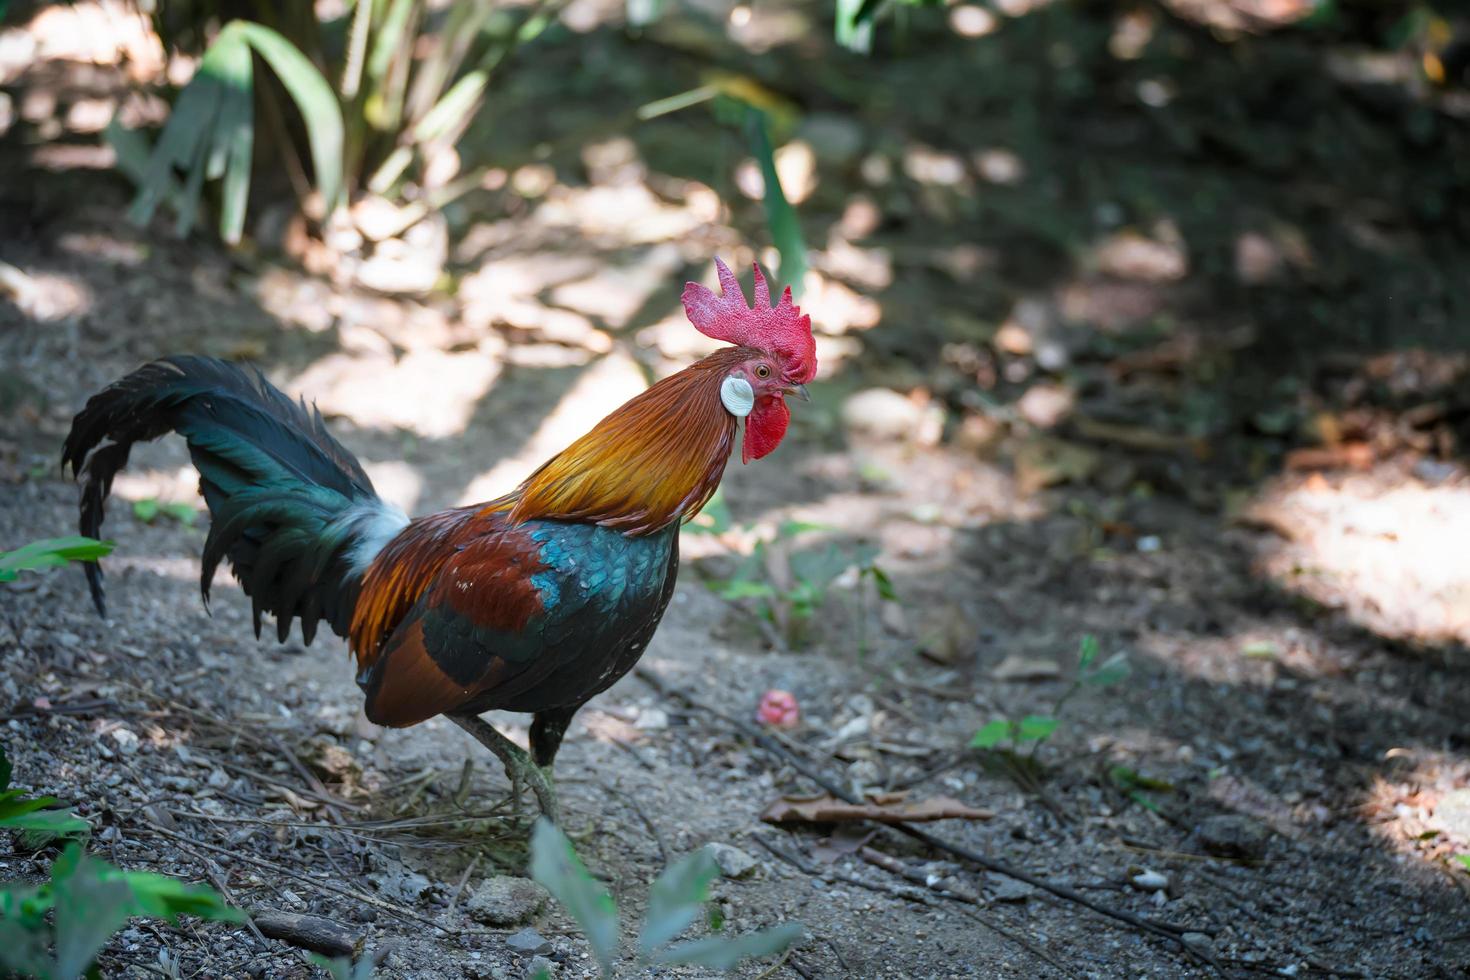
(1282, 569)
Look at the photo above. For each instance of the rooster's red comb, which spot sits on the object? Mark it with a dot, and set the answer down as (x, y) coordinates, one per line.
(779, 329)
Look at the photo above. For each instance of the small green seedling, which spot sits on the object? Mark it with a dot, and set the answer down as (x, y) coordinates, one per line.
(791, 597)
(151, 509)
(50, 553)
(1003, 739)
(675, 902)
(1136, 786)
(37, 819)
(1464, 860)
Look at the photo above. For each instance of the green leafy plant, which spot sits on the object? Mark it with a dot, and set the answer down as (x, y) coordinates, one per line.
(88, 900)
(1137, 787)
(50, 553)
(382, 93)
(55, 929)
(151, 509)
(1464, 860)
(1010, 744)
(675, 902)
(38, 819)
(856, 20)
(744, 105)
(792, 584)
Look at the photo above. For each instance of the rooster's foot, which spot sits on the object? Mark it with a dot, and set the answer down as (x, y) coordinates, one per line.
(519, 766)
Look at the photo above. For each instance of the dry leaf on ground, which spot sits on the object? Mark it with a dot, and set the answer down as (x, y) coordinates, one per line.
(882, 807)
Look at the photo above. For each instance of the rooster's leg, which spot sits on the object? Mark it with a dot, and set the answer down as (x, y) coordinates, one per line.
(547, 728)
(518, 764)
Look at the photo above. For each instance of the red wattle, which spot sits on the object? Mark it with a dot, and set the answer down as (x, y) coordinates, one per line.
(764, 427)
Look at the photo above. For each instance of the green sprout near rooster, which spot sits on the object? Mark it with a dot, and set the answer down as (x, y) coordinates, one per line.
(1009, 745)
(790, 585)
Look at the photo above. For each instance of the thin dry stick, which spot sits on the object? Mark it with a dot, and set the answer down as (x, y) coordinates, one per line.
(464, 879)
(312, 782)
(307, 879)
(1164, 930)
(221, 886)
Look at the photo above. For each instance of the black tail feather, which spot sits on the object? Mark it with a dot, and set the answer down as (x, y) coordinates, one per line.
(289, 506)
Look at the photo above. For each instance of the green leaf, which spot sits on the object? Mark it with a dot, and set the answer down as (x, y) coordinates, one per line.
(991, 734)
(714, 518)
(40, 827)
(168, 898)
(819, 566)
(554, 863)
(182, 143)
(90, 906)
(719, 953)
(390, 35)
(146, 510)
(1110, 671)
(737, 589)
(1125, 777)
(674, 900)
(183, 513)
(790, 529)
(50, 553)
(854, 24)
(1086, 651)
(883, 582)
(27, 904)
(1034, 728)
(314, 99)
(452, 108)
(25, 939)
(234, 137)
(780, 215)
(342, 967)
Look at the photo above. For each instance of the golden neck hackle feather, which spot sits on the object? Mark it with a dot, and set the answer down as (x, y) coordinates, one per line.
(655, 460)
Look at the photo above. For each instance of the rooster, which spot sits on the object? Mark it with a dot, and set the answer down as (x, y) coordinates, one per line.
(533, 602)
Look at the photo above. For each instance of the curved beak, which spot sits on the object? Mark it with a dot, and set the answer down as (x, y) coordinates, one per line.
(799, 391)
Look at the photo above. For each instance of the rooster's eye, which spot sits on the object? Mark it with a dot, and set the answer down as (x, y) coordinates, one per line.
(762, 372)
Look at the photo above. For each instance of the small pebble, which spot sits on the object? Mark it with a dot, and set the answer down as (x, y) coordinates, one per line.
(505, 900)
(1151, 881)
(540, 969)
(1230, 835)
(733, 862)
(1010, 890)
(527, 942)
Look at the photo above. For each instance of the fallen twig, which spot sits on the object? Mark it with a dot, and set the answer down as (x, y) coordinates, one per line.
(312, 782)
(1164, 930)
(464, 880)
(310, 932)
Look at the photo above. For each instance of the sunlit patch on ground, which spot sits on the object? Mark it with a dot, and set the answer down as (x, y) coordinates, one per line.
(431, 393)
(1384, 547)
(1420, 805)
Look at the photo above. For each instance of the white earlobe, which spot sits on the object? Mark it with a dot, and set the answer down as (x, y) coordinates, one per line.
(737, 396)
